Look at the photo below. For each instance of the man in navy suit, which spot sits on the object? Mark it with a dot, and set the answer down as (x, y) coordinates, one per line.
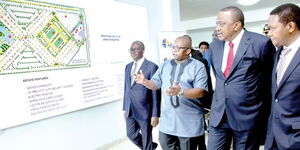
(284, 122)
(242, 62)
(141, 105)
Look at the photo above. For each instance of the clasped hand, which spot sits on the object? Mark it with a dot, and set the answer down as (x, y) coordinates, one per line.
(173, 90)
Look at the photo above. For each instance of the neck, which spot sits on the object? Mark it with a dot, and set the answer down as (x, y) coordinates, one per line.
(182, 60)
(234, 35)
(293, 38)
(136, 60)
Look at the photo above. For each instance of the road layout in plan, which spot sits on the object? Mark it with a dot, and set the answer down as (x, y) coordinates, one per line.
(36, 36)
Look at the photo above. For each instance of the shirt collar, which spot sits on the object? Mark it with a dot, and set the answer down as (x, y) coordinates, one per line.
(139, 62)
(238, 38)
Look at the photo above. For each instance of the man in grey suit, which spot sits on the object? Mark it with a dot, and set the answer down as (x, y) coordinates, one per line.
(141, 106)
(242, 62)
(284, 122)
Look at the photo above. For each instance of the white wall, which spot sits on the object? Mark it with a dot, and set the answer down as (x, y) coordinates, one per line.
(163, 15)
(205, 34)
(81, 130)
(201, 35)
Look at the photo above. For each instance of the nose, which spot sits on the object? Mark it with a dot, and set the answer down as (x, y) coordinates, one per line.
(218, 28)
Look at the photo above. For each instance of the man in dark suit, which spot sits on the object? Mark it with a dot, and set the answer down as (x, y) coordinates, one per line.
(241, 61)
(141, 105)
(284, 122)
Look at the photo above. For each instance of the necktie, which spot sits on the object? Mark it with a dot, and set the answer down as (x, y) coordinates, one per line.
(133, 72)
(281, 63)
(230, 59)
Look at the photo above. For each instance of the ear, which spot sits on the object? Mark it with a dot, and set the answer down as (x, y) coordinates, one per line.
(237, 25)
(291, 27)
(188, 51)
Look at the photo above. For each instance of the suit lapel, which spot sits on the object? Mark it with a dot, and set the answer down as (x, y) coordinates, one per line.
(274, 77)
(143, 67)
(219, 58)
(128, 72)
(244, 44)
(293, 64)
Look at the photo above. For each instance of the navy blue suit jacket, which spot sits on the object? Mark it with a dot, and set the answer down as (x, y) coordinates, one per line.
(139, 101)
(284, 122)
(242, 93)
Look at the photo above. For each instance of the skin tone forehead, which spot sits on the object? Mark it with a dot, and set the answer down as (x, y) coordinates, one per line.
(182, 42)
(203, 46)
(135, 45)
(273, 20)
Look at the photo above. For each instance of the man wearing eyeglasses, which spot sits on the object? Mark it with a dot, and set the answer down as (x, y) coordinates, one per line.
(242, 63)
(141, 106)
(182, 80)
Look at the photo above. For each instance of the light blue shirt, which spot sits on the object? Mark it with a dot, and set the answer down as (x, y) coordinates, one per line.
(186, 120)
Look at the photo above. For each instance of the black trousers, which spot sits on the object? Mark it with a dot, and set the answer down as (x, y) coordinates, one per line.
(171, 142)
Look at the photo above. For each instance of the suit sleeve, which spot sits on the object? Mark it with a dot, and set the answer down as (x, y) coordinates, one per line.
(156, 97)
(267, 66)
(124, 98)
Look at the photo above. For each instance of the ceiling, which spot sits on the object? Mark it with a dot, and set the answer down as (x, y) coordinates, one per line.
(192, 9)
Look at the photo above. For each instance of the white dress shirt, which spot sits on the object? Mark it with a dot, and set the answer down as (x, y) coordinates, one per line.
(139, 64)
(294, 48)
(236, 43)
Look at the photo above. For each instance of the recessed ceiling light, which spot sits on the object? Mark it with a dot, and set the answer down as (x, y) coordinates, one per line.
(247, 2)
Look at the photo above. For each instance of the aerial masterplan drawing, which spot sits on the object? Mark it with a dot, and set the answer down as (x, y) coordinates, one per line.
(38, 36)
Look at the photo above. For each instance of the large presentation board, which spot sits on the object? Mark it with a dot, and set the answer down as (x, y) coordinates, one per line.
(56, 58)
(37, 36)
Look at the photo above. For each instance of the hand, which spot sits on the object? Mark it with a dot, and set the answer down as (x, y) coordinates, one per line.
(139, 78)
(173, 90)
(154, 121)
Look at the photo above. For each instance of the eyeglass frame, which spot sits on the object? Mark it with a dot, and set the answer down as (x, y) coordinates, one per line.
(131, 50)
(178, 48)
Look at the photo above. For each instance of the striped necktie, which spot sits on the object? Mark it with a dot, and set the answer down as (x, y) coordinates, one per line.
(281, 64)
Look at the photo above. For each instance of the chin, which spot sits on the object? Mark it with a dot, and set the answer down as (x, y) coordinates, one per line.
(220, 38)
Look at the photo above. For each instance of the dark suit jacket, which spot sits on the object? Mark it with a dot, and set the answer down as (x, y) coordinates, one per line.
(284, 123)
(242, 93)
(196, 54)
(206, 100)
(139, 101)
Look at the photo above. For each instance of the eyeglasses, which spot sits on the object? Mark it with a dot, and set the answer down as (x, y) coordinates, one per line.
(178, 48)
(220, 23)
(131, 50)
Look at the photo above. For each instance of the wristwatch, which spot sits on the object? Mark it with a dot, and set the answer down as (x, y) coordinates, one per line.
(180, 93)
